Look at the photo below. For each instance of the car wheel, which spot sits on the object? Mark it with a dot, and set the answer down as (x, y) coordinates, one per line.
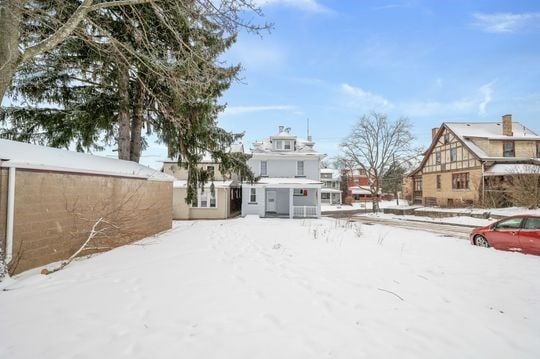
(481, 241)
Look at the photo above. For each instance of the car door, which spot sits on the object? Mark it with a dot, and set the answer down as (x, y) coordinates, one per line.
(529, 236)
(505, 234)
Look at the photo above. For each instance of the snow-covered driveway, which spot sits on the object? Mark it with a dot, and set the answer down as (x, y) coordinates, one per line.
(279, 288)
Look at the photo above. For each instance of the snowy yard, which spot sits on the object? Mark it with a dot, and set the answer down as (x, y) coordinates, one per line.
(279, 288)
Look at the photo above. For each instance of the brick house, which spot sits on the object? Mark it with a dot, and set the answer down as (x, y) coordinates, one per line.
(355, 186)
(464, 160)
(50, 199)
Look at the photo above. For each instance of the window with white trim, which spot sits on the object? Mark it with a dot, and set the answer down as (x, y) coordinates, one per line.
(206, 199)
(300, 168)
(253, 195)
(287, 145)
(264, 168)
(210, 170)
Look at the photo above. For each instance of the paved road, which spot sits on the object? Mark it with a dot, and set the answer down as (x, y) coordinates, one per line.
(443, 229)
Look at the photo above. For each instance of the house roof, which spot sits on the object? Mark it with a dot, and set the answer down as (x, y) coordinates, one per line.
(330, 190)
(287, 181)
(217, 184)
(466, 132)
(303, 146)
(501, 169)
(25, 155)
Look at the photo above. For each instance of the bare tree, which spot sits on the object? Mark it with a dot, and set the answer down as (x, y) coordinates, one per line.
(522, 187)
(373, 145)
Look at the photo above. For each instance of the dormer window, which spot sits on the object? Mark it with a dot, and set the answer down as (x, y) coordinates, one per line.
(508, 149)
(287, 145)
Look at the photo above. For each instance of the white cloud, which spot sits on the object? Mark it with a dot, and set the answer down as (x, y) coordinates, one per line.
(304, 5)
(236, 110)
(360, 97)
(475, 104)
(505, 22)
(486, 90)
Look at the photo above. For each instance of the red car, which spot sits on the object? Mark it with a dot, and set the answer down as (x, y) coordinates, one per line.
(519, 233)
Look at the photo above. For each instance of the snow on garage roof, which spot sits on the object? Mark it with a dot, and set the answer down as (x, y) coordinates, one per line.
(25, 155)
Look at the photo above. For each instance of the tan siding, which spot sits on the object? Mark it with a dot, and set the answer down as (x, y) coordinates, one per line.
(447, 192)
(54, 213)
(181, 210)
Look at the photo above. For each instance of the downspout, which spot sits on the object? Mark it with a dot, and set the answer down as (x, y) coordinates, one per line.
(10, 214)
(483, 184)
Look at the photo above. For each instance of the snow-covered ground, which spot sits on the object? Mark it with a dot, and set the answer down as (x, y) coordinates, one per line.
(461, 220)
(279, 288)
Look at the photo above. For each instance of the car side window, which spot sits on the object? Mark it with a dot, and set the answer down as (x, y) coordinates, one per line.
(532, 223)
(510, 223)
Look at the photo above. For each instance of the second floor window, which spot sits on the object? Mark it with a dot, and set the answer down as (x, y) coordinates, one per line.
(264, 168)
(453, 154)
(508, 149)
(210, 170)
(460, 180)
(438, 181)
(300, 168)
(437, 158)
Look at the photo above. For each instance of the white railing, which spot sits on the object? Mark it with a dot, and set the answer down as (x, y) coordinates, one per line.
(304, 211)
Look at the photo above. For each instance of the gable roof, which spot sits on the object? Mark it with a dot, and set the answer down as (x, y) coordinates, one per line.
(29, 156)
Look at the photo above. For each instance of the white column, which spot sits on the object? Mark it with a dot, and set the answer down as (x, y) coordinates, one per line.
(318, 202)
(291, 211)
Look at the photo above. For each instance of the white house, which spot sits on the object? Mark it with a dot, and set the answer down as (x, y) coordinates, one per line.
(331, 181)
(289, 184)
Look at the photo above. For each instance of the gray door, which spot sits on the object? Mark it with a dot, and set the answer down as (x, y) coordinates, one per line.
(270, 201)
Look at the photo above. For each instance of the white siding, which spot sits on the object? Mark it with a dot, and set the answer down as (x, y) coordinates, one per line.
(286, 167)
(252, 208)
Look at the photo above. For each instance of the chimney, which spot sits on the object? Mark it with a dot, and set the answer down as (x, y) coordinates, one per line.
(280, 129)
(507, 125)
(434, 133)
(288, 130)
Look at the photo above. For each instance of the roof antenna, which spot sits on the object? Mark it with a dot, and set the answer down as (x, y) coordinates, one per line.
(308, 136)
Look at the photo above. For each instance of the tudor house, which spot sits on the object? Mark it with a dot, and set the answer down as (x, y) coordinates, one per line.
(289, 183)
(465, 161)
(220, 199)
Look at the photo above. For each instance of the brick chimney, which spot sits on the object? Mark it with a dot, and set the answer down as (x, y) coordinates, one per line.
(280, 129)
(507, 125)
(434, 132)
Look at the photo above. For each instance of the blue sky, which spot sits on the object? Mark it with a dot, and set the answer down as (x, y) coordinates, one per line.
(432, 61)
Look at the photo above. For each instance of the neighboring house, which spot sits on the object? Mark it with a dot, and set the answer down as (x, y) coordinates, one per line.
(220, 199)
(357, 185)
(330, 192)
(50, 199)
(289, 184)
(465, 160)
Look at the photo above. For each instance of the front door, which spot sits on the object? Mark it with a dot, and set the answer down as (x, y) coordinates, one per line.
(270, 201)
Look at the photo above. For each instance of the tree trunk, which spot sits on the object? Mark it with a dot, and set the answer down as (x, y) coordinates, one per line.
(10, 19)
(137, 122)
(124, 125)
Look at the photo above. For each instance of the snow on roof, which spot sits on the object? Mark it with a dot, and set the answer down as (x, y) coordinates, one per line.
(327, 170)
(330, 190)
(25, 155)
(302, 145)
(491, 130)
(217, 184)
(360, 190)
(287, 181)
(501, 169)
